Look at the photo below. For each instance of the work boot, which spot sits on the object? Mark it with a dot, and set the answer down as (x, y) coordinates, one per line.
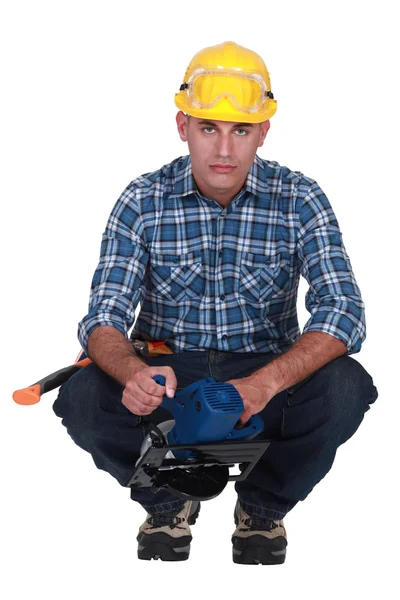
(258, 540)
(167, 535)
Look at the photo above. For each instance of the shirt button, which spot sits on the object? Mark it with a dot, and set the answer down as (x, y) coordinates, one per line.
(222, 296)
(220, 253)
(224, 337)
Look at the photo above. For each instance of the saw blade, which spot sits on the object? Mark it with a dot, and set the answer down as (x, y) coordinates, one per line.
(196, 483)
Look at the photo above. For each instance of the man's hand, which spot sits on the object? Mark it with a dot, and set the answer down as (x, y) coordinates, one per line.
(311, 351)
(142, 395)
(255, 396)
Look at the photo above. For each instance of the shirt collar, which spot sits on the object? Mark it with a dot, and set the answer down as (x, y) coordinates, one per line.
(183, 180)
(256, 182)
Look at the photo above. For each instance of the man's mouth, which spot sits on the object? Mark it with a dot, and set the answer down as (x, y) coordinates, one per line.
(222, 168)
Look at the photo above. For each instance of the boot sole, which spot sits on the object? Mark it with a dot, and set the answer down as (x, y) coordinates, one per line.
(164, 547)
(161, 546)
(258, 550)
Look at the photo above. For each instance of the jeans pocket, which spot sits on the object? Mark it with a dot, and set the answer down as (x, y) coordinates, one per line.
(291, 391)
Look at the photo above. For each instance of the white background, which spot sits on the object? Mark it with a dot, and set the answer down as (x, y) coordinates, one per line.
(87, 105)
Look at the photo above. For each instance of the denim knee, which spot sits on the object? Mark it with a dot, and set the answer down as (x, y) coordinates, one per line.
(348, 391)
(87, 392)
(97, 421)
(334, 400)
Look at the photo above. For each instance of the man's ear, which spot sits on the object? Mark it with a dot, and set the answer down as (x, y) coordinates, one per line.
(263, 132)
(182, 124)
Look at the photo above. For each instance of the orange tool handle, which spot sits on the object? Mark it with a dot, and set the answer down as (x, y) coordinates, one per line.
(32, 394)
(156, 348)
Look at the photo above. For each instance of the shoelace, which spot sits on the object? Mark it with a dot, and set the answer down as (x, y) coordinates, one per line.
(162, 520)
(259, 524)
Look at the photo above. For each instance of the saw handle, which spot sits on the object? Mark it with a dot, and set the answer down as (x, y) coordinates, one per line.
(168, 403)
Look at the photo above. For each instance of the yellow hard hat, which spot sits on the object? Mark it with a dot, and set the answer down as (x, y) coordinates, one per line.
(227, 82)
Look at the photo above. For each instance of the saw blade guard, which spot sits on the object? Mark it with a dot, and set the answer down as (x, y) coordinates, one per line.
(161, 430)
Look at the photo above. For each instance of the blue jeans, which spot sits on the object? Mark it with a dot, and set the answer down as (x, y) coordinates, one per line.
(306, 422)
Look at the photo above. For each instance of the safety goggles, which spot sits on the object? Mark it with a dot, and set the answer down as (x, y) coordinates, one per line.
(205, 88)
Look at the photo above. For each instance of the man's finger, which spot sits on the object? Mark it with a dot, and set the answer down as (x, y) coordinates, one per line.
(138, 407)
(170, 392)
(135, 393)
(171, 384)
(150, 387)
(245, 416)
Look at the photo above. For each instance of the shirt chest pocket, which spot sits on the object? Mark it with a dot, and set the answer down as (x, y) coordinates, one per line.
(177, 277)
(263, 278)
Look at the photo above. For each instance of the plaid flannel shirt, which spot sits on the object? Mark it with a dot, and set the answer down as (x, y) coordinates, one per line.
(208, 277)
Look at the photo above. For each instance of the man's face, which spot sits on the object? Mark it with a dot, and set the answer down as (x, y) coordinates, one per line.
(221, 153)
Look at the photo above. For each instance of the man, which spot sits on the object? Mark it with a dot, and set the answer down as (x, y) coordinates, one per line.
(212, 246)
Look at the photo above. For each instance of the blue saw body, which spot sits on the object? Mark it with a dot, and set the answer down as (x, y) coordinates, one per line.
(208, 411)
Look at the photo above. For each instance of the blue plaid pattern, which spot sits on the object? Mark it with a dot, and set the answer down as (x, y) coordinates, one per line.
(208, 277)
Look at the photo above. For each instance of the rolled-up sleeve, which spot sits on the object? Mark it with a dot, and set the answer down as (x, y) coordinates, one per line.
(117, 283)
(333, 299)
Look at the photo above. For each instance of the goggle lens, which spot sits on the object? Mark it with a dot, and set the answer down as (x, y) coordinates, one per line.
(246, 92)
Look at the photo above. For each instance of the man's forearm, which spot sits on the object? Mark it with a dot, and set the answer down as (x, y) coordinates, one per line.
(312, 351)
(113, 353)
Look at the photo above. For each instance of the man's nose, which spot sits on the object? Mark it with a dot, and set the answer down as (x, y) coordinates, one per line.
(224, 145)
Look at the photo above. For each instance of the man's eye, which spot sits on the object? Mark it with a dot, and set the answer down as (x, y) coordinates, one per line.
(241, 132)
(208, 129)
